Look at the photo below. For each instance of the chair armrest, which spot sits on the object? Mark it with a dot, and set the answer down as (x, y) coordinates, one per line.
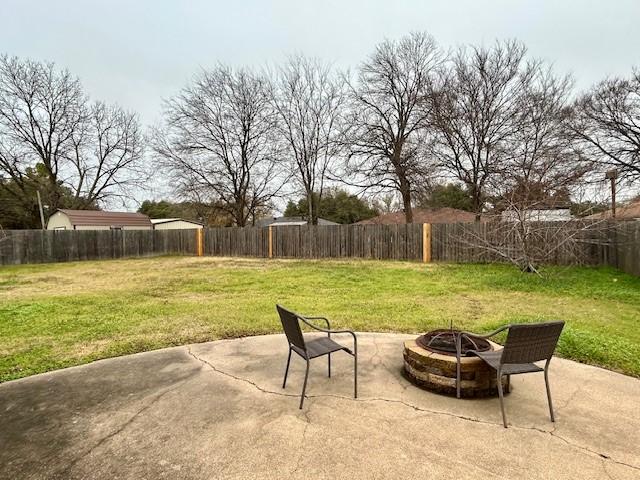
(319, 318)
(326, 330)
(488, 335)
(320, 329)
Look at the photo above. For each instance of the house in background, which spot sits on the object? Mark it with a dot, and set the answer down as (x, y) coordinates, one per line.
(98, 220)
(423, 215)
(630, 211)
(289, 222)
(175, 224)
(541, 213)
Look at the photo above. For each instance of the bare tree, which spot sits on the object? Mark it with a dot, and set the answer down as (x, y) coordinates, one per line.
(107, 157)
(87, 154)
(518, 146)
(542, 166)
(389, 116)
(219, 141)
(608, 125)
(40, 110)
(309, 97)
(473, 113)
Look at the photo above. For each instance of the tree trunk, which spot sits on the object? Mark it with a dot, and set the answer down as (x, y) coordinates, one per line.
(476, 202)
(406, 202)
(239, 215)
(311, 220)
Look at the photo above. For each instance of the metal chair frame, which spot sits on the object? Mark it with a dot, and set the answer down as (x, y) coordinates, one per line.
(298, 344)
(526, 343)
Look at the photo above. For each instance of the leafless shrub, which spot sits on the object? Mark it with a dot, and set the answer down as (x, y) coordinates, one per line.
(528, 243)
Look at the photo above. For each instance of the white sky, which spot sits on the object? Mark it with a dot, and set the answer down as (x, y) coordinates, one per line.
(136, 52)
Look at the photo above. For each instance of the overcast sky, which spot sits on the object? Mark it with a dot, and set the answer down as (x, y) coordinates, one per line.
(136, 52)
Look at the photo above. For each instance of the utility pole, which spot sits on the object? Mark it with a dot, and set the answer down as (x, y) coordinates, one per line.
(612, 175)
(41, 211)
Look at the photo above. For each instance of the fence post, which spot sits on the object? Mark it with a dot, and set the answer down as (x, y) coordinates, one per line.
(270, 241)
(200, 242)
(426, 242)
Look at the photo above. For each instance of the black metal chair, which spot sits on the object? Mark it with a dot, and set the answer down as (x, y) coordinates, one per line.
(526, 343)
(314, 348)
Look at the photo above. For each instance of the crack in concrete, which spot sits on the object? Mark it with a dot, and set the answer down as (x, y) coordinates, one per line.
(572, 397)
(302, 439)
(122, 427)
(395, 374)
(551, 433)
(604, 467)
(376, 352)
(240, 379)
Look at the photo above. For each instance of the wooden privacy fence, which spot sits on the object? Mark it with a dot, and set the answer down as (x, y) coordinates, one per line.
(613, 243)
(398, 242)
(384, 242)
(555, 243)
(40, 246)
(236, 242)
(623, 250)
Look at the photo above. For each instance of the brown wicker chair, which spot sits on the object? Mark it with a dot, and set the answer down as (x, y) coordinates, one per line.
(314, 348)
(526, 343)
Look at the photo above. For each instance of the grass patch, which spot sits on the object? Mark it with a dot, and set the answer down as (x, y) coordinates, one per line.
(57, 315)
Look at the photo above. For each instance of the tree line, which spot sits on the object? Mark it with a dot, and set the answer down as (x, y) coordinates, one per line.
(411, 119)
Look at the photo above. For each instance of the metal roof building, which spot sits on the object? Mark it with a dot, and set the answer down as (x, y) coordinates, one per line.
(65, 219)
(175, 224)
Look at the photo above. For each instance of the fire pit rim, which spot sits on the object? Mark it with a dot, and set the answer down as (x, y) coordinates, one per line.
(425, 340)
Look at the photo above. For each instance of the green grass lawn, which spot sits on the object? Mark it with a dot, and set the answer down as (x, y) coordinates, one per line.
(57, 315)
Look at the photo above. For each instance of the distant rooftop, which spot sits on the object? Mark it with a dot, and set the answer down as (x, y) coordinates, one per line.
(156, 221)
(289, 221)
(630, 211)
(101, 218)
(423, 215)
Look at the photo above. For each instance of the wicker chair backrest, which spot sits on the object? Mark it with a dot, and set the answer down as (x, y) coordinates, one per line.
(528, 343)
(291, 326)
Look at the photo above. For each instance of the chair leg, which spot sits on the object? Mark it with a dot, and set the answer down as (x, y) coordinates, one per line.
(458, 366)
(504, 415)
(546, 381)
(355, 371)
(508, 383)
(458, 378)
(304, 385)
(286, 371)
(329, 366)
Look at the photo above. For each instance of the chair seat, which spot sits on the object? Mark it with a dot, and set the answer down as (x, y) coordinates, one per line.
(493, 360)
(318, 347)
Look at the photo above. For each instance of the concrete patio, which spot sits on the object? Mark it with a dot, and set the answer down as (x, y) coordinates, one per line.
(217, 410)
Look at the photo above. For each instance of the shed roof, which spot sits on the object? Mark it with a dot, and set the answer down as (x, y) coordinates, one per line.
(107, 219)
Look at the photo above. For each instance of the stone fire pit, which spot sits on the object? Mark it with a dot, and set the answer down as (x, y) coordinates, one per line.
(430, 363)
